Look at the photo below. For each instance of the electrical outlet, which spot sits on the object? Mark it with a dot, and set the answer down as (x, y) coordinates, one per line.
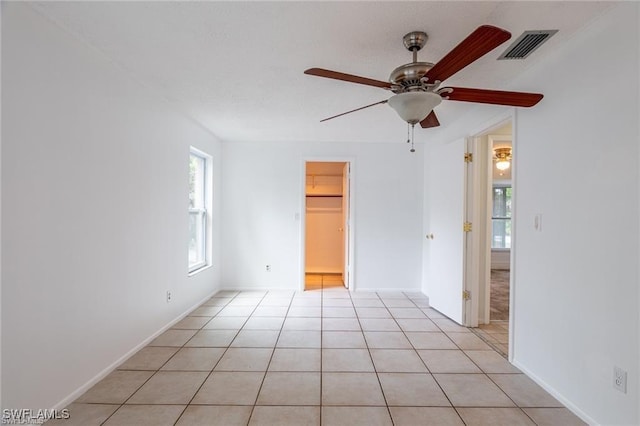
(268, 268)
(168, 296)
(619, 379)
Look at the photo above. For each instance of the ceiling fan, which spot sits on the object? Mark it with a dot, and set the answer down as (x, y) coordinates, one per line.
(417, 84)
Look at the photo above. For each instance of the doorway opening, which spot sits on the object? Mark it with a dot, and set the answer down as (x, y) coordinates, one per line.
(495, 257)
(327, 202)
(462, 226)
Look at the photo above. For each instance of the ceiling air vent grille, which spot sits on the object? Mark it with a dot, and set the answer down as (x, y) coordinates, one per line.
(526, 43)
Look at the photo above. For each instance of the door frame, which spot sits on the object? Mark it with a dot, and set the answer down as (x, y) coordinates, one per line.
(471, 250)
(476, 205)
(303, 215)
(489, 209)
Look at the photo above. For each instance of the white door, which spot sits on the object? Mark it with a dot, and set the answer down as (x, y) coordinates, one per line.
(447, 176)
(345, 221)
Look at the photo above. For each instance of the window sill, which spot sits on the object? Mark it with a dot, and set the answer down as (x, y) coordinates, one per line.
(200, 269)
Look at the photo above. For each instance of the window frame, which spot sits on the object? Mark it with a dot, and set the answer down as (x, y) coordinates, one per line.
(202, 212)
(507, 218)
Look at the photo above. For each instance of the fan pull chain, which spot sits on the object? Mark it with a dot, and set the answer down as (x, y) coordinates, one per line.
(413, 128)
(411, 136)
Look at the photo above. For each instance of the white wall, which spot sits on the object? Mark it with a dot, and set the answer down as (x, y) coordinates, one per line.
(576, 162)
(581, 269)
(94, 187)
(263, 186)
(1, 8)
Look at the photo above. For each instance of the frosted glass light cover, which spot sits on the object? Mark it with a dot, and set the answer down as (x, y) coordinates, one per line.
(413, 107)
(502, 164)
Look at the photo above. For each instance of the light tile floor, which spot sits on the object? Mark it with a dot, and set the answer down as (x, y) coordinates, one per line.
(318, 281)
(496, 335)
(321, 357)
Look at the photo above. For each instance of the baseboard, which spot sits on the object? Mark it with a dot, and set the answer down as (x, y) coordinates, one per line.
(382, 291)
(567, 403)
(247, 288)
(113, 366)
(378, 290)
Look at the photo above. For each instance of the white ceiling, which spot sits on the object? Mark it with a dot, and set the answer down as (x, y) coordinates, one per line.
(237, 67)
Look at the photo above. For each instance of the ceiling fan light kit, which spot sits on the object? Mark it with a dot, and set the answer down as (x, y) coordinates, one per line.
(416, 85)
(413, 107)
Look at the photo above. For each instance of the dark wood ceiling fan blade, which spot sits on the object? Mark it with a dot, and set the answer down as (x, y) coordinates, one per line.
(319, 72)
(496, 97)
(354, 110)
(477, 44)
(430, 121)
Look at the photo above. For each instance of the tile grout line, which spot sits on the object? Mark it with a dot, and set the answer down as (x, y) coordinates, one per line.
(156, 371)
(384, 396)
(482, 373)
(491, 344)
(324, 292)
(429, 370)
(275, 345)
(215, 365)
(219, 359)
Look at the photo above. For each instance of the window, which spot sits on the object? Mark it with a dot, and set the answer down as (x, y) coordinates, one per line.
(199, 206)
(501, 217)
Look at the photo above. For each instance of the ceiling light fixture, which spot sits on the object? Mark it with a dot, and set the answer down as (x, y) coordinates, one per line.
(502, 157)
(413, 107)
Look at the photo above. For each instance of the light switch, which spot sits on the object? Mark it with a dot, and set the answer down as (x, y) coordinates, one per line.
(537, 222)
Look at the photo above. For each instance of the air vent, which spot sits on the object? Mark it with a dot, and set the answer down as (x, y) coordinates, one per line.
(526, 43)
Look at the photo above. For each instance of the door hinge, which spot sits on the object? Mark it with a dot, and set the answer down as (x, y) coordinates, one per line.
(466, 295)
(468, 157)
(466, 227)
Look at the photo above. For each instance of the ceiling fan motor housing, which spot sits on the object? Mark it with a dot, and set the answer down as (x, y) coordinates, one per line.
(409, 76)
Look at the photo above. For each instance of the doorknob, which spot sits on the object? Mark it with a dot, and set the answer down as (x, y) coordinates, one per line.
(340, 229)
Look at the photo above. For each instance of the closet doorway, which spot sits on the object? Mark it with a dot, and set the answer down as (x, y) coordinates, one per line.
(327, 231)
